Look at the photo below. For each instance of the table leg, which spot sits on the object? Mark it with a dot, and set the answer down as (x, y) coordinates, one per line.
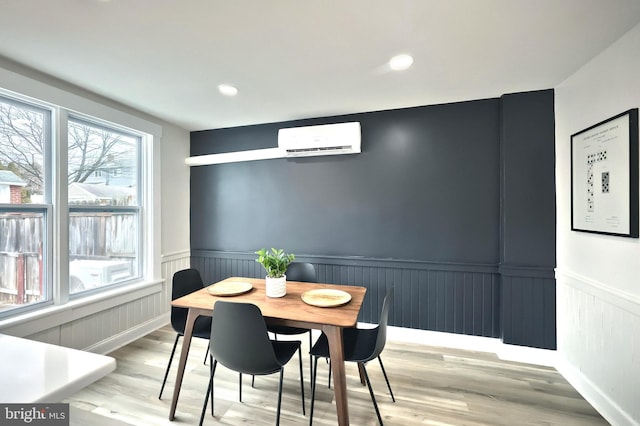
(336, 350)
(186, 343)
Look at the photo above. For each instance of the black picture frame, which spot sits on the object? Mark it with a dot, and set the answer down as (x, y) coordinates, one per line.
(604, 177)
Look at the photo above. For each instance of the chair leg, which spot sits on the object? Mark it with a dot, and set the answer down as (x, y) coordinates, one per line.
(310, 356)
(301, 378)
(387, 379)
(209, 391)
(373, 398)
(212, 368)
(166, 373)
(313, 389)
(240, 387)
(329, 384)
(206, 356)
(279, 397)
(206, 401)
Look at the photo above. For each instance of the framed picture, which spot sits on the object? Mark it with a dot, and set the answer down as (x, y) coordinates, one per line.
(604, 177)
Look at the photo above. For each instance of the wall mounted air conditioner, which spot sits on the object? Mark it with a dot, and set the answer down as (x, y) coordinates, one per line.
(325, 139)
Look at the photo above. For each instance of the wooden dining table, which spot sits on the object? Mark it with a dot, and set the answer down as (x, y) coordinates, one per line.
(288, 310)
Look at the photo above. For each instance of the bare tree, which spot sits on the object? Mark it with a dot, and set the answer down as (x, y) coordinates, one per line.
(23, 138)
(22, 142)
(92, 149)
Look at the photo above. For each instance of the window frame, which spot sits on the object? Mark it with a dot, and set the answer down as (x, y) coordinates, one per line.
(61, 106)
(48, 288)
(46, 209)
(136, 209)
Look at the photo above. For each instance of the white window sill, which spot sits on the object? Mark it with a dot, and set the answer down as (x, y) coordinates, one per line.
(51, 316)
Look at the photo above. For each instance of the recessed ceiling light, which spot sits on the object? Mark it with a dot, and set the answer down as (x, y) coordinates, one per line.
(400, 62)
(227, 90)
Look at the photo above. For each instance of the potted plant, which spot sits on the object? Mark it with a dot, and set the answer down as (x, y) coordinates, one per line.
(275, 262)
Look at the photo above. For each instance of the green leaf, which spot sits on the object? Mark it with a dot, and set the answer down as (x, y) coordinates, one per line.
(275, 262)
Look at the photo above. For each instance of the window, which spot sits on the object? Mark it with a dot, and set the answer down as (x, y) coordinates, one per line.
(25, 138)
(104, 209)
(98, 197)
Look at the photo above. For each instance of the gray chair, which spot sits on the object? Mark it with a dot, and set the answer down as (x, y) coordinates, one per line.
(361, 345)
(184, 282)
(297, 271)
(240, 342)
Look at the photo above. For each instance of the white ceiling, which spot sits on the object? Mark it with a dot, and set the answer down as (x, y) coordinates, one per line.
(293, 59)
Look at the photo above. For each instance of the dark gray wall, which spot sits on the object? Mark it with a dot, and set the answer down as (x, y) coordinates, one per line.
(431, 205)
(528, 179)
(425, 187)
(527, 219)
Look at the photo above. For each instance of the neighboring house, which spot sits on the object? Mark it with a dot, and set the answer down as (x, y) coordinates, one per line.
(88, 193)
(113, 174)
(11, 187)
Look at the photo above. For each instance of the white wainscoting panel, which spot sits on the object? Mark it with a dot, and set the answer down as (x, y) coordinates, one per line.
(106, 325)
(599, 345)
(172, 263)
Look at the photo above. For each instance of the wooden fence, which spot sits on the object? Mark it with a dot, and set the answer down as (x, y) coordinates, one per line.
(96, 236)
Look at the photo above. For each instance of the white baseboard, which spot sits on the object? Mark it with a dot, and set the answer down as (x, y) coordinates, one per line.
(504, 351)
(611, 411)
(106, 346)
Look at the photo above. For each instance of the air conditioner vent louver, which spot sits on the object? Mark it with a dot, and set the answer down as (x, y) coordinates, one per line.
(345, 149)
(326, 139)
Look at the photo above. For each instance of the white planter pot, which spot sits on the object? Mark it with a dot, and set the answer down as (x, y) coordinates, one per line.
(276, 287)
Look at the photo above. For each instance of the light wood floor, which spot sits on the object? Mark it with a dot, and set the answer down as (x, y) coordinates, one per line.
(432, 386)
